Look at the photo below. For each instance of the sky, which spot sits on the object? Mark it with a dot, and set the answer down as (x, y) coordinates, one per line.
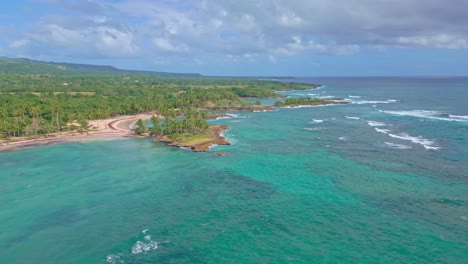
(244, 37)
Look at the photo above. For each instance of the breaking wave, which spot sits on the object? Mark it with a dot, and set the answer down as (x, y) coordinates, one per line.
(375, 124)
(396, 146)
(353, 117)
(114, 258)
(384, 131)
(426, 143)
(459, 116)
(389, 101)
(142, 246)
(436, 115)
(313, 128)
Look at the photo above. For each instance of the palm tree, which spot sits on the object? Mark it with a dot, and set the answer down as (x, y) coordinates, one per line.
(35, 111)
(18, 113)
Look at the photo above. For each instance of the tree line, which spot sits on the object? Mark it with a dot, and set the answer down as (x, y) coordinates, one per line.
(192, 123)
(40, 104)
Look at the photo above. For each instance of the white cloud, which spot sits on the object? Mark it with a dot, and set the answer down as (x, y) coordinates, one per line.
(289, 19)
(94, 40)
(297, 47)
(167, 45)
(16, 44)
(437, 41)
(246, 29)
(272, 59)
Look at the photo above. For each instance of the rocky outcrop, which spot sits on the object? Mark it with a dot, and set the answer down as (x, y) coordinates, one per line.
(215, 138)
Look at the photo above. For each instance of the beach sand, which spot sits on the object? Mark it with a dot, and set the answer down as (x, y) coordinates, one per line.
(103, 129)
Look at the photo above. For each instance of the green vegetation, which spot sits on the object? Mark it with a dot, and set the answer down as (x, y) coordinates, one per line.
(140, 127)
(192, 123)
(49, 98)
(303, 101)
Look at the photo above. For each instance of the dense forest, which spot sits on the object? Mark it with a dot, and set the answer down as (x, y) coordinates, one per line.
(34, 104)
(311, 101)
(301, 101)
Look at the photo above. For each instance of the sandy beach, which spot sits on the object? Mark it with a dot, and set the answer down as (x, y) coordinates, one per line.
(103, 129)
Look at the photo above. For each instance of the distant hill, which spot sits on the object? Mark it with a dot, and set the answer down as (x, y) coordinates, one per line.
(22, 65)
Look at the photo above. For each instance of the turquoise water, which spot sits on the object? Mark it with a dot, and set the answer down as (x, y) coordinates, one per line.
(382, 180)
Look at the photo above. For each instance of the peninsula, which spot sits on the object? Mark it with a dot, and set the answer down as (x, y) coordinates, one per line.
(309, 101)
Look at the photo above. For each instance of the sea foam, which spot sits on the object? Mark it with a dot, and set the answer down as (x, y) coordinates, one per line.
(436, 115)
(227, 116)
(114, 258)
(301, 106)
(144, 246)
(396, 146)
(389, 101)
(313, 128)
(384, 131)
(426, 143)
(353, 117)
(459, 116)
(260, 111)
(375, 124)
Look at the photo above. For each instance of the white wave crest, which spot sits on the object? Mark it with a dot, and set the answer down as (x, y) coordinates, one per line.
(313, 128)
(353, 117)
(317, 120)
(144, 246)
(389, 101)
(236, 115)
(459, 116)
(342, 138)
(429, 115)
(300, 106)
(375, 124)
(227, 116)
(384, 131)
(426, 143)
(114, 258)
(354, 96)
(259, 111)
(396, 146)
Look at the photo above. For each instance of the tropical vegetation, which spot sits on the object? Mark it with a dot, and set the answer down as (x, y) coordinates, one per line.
(40, 102)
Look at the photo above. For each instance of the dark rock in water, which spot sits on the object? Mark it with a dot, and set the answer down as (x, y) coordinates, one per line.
(221, 153)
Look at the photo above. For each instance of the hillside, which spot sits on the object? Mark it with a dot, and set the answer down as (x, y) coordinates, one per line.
(22, 65)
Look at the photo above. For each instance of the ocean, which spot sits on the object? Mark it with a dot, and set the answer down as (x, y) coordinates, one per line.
(381, 180)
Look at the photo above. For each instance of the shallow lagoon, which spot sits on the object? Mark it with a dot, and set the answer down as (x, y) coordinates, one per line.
(303, 185)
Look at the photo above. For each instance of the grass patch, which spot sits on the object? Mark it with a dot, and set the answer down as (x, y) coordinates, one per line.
(196, 139)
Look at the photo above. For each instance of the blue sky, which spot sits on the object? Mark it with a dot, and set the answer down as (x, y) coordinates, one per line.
(235, 37)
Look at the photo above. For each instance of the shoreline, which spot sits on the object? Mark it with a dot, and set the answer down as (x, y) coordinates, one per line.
(102, 129)
(111, 129)
(214, 138)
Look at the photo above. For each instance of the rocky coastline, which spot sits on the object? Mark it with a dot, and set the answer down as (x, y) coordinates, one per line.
(214, 137)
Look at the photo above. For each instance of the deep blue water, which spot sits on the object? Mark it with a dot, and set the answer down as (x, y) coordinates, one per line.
(381, 180)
